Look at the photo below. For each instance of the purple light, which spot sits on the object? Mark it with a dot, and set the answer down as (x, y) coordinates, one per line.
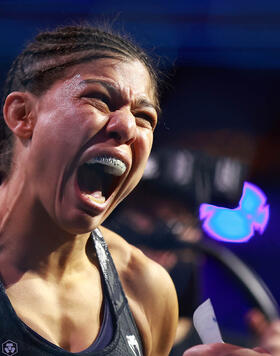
(239, 224)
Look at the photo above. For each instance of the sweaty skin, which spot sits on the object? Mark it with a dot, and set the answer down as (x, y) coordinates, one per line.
(104, 107)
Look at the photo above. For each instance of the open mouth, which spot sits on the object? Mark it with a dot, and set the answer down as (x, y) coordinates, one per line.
(99, 177)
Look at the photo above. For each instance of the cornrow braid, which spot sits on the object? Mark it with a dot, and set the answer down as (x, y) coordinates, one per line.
(44, 60)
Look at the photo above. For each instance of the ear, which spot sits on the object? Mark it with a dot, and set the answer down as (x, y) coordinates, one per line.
(18, 114)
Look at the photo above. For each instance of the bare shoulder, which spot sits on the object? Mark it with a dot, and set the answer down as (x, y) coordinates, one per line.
(136, 268)
(149, 289)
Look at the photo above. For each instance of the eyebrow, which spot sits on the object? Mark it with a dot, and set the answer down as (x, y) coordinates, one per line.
(115, 91)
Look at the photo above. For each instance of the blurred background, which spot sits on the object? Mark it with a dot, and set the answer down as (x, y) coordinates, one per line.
(219, 127)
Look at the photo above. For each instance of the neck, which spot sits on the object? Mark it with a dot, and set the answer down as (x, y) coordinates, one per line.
(30, 242)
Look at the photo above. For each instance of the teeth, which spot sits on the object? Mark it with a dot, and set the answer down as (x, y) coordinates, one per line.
(112, 165)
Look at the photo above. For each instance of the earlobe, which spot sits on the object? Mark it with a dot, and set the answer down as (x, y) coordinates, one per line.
(18, 114)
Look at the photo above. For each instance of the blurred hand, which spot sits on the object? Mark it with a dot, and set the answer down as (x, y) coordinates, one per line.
(221, 349)
(268, 333)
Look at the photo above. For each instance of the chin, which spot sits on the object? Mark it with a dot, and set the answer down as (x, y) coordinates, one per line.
(80, 224)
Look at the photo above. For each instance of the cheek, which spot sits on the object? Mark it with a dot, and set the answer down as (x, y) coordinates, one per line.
(54, 140)
(144, 144)
(141, 152)
(67, 127)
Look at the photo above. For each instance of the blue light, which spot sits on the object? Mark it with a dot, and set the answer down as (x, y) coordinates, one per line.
(239, 224)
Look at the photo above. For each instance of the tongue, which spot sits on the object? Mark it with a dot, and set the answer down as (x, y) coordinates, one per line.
(97, 197)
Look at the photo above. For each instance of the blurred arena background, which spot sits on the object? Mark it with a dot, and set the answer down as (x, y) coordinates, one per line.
(219, 127)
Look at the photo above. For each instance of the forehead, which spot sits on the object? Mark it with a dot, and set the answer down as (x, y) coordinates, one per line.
(130, 77)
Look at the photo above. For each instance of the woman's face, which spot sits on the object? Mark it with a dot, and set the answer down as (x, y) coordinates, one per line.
(92, 138)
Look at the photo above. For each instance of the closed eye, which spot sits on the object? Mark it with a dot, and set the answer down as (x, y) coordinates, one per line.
(99, 97)
(145, 119)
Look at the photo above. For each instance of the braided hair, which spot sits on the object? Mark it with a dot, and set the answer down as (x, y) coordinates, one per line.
(45, 59)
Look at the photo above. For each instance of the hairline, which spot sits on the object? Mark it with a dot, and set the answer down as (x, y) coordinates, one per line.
(65, 67)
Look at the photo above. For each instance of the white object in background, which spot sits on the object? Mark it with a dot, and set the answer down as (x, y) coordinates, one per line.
(205, 323)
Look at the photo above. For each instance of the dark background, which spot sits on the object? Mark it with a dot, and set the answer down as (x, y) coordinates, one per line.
(221, 60)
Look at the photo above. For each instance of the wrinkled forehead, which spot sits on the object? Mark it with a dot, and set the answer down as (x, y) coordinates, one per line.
(131, 77)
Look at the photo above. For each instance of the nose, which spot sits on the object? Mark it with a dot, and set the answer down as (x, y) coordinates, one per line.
(122, 126)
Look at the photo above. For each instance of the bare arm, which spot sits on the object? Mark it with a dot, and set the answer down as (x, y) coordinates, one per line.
(154, 303)
(163, 310)
(150, 293)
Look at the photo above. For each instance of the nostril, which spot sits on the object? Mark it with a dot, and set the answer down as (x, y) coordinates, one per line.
(115, 135)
